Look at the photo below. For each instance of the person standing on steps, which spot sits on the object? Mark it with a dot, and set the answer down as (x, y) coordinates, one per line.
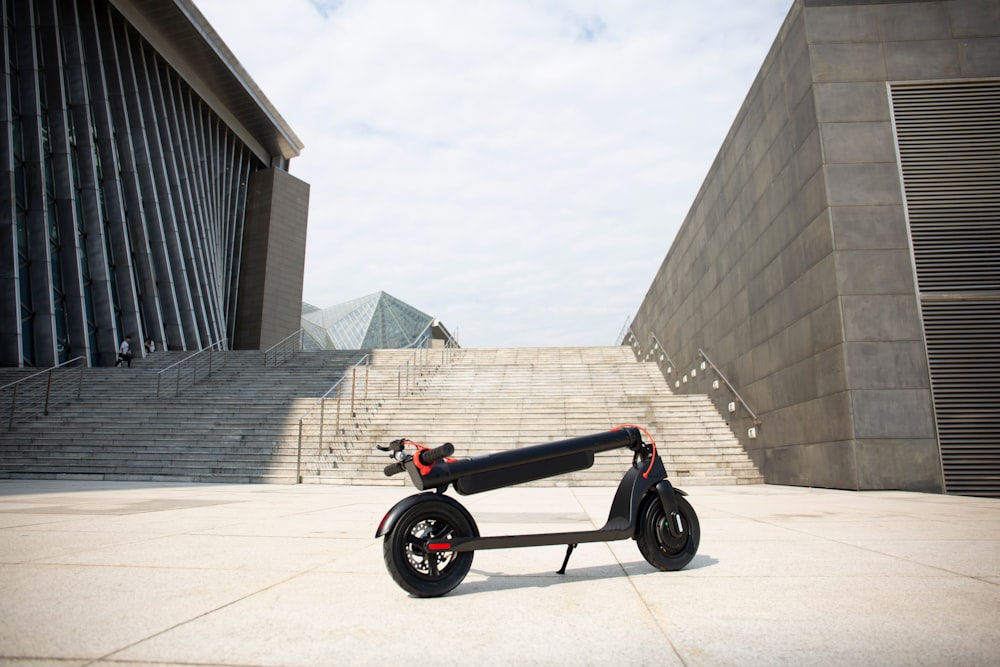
(125, 353)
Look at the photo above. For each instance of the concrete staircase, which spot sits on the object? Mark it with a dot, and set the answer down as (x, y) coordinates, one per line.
(486, 400)
(231, 426)
(251, 423)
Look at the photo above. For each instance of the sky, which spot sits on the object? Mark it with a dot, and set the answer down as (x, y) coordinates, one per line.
(517, 169)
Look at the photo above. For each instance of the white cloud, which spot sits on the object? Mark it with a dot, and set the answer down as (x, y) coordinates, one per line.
(515, 168)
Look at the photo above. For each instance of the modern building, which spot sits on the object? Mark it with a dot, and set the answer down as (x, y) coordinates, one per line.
(144, 187)
(840, 265)
(376, 321)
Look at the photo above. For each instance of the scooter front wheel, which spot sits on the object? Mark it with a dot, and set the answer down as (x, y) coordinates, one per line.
(418, 570)
(665, 549)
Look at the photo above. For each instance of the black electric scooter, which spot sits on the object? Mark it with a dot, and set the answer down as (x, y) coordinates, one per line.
(430, 537)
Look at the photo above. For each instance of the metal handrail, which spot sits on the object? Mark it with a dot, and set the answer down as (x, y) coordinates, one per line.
(658, 344)
(419, 358)
(635, 341)
(625, 330)
(14, 386)
(408, 369)
(451, 341)
(637, 348)
(320, 402)
(284, 345)
(672, 365)
(405, 367)
(739, 398)
(419, 338)
(195, 359)
(450, 345)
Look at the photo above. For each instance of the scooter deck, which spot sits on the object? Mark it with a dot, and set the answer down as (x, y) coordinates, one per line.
(532, 540)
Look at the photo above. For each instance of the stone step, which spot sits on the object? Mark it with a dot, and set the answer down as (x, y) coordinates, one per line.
(243, 421)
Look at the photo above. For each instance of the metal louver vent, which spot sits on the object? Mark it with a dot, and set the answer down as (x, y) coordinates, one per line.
(963, 349)
(948, 135)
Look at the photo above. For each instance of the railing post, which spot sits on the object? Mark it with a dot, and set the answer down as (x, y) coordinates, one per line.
(298, 457)
(338, 406)
(322, 417)
(354, 382)
(13, 402)
(48, 389)
(79, 383)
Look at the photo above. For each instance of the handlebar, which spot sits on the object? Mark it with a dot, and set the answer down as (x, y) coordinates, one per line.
(431, 456)
(425, 457)
(394, 468)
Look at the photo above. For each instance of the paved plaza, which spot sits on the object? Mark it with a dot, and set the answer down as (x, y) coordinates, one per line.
(102, 573)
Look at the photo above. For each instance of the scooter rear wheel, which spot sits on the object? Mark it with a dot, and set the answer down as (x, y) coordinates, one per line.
(417, 570)
(656, 544)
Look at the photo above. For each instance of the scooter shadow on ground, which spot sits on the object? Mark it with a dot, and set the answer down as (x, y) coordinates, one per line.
(506, 581)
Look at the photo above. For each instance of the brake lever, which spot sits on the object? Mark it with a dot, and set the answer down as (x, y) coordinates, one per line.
(396, 446)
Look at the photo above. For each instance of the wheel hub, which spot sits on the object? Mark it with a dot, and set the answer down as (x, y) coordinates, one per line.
(671, 533)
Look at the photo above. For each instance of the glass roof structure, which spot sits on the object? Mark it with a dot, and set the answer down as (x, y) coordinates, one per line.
(376, 321)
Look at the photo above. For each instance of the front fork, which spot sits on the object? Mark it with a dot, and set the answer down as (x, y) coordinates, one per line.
(674, 524)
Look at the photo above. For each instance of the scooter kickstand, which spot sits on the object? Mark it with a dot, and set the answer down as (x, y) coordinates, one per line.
(569, 550)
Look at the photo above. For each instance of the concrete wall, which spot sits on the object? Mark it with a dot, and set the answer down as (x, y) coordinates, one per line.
(273, 260)
(793, 269)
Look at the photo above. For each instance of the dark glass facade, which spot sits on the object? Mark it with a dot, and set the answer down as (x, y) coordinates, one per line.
(123, 192)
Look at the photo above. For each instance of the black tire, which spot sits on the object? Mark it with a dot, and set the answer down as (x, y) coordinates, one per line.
(661, 549)
(418, 571)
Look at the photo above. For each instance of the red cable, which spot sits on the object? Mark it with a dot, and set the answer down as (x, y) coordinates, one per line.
(424, 469)
(652, 442)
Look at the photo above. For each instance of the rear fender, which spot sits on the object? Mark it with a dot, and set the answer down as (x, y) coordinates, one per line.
(392, 516)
